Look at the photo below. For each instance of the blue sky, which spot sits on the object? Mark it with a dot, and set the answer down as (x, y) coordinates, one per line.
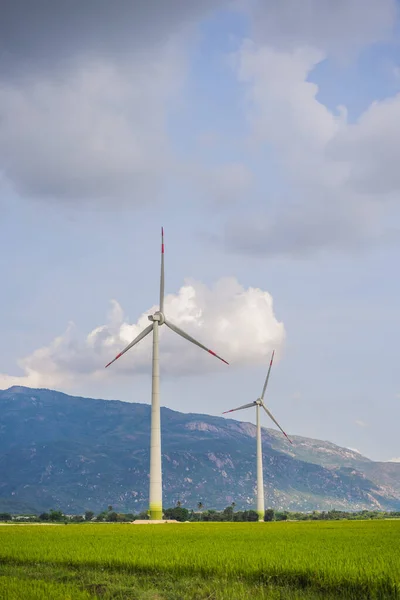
(208, 124)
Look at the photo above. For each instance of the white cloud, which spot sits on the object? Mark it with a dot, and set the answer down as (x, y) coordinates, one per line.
(283, 108)
(239, 324)
(340, 179)
(361, 423)
(396, 460)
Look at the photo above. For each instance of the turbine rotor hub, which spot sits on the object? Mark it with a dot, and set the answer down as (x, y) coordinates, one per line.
(158, 316)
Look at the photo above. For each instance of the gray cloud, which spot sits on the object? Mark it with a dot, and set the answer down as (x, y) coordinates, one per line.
(85, 89)
(370, 149)
(41, 34)
(333, 26)
(97, 132)
(302, 228)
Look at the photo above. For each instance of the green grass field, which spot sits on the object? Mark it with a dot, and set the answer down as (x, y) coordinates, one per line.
(219, 561)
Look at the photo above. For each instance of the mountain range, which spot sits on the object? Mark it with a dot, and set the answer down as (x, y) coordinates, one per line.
(75, 454)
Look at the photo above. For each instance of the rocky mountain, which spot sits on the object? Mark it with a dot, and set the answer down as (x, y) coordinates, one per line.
(73, 454)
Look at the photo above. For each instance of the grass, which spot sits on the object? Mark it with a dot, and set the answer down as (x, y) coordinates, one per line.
(15, 588)
(219, 561)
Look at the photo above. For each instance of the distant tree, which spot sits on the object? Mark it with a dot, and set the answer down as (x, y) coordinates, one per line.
(200, 505)
(110, 508)
(89, 514)
(281, 516)
(213, 515)
(228, 513)
(56, 515)
(269, 514)
(178, 504)
(251, 515)
(178, 513)
(238, 516)
(44, 517)
(5, 517)
(233, 505)
(113, 516)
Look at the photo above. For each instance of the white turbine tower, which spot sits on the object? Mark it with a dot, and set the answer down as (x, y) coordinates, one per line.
(157, 320)
(260, 403)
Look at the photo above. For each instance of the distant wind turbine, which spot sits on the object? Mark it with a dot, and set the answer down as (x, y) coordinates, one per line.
(157, 320)
(257, 404)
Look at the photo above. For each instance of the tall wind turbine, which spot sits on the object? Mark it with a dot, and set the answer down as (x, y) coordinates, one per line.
(260, 403)
(157, 320)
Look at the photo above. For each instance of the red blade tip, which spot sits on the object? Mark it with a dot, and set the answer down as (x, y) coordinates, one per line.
(216, 355)
(114, 359)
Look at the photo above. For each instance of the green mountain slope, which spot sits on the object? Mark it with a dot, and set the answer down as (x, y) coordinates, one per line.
(59, 451)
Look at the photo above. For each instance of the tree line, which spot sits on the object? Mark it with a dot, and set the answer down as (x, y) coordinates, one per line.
(182, 514)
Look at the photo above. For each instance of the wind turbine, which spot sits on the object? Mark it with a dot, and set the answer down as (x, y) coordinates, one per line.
(157, 320)
(260, 403)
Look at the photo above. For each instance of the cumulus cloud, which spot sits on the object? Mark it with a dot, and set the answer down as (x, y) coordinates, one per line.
(340, 178)
(239, 324)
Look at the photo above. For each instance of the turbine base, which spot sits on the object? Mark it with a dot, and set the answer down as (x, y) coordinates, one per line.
(155, 513)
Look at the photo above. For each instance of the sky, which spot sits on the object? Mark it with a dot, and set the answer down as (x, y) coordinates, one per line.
(263, 135)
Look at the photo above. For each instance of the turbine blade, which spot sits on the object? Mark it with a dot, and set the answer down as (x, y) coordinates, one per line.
(269, 371)
(190, 339)
(135, 341)
(240, 407)
(275, 421)
(162, 272)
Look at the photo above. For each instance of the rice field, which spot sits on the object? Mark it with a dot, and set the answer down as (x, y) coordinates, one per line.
(219, 561)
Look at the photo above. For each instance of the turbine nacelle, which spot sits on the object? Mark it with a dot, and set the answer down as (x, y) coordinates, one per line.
(158, 316)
